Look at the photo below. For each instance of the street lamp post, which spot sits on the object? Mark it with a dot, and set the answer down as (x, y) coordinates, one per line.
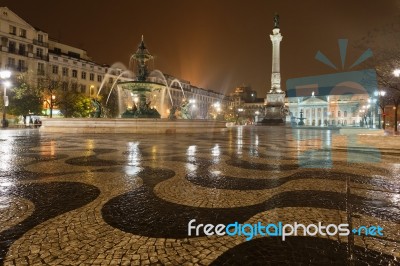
(396, 73)
(192, 106)
(5, 74)
(240, 110)
(381, 108)
(52, 99)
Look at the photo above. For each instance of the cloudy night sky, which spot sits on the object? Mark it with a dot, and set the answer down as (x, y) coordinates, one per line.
(216, 44)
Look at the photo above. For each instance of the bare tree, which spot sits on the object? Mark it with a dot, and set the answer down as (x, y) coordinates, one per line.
(385, 44)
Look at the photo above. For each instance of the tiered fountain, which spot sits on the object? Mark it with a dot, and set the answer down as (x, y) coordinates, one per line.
(141, 87)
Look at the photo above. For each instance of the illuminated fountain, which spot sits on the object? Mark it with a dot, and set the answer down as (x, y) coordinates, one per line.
(137, 94)
(141, 88)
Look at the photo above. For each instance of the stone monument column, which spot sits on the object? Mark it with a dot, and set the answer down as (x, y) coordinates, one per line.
(275, 98)
(276, 39)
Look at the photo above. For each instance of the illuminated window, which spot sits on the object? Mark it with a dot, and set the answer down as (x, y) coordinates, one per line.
(22, 33)
(13, 30)
(39, 52)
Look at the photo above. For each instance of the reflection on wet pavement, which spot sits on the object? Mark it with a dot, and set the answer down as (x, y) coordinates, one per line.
(127, 199)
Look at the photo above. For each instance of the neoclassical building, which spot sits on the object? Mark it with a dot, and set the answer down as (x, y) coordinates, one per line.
(333, 110)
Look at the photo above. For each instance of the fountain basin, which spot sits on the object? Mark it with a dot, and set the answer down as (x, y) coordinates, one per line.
(135, 126)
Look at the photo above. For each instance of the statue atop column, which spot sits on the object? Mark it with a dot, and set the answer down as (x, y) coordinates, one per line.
(276, 21)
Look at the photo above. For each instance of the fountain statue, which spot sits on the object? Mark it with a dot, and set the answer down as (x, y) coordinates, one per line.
(301, 118)
(97, 109)
(141, 87)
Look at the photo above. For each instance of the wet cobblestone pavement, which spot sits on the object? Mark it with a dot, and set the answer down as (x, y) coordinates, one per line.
(127, 199)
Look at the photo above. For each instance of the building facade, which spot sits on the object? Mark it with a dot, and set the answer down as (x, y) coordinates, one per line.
(355, 110)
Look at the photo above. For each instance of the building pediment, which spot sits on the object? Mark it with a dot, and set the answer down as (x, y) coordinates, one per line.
(7, 14)
(313, 101)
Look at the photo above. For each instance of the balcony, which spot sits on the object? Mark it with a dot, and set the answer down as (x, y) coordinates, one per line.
(23, 52)
(22, 69)
(41, 56)
(11, 67)
(40, 43)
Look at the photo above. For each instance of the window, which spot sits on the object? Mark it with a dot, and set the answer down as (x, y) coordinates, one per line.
(64, 86)
(83, 75)
(40, 37)
(11, 62)
(55, 69)
(65, 72)
(345, 114)
(58, 51)
(338, 114)
(13, 30)
(74, 73)
(40, 69)
(22, 33)
(39, 52)
(83, 88)
(12, 47)
(91, 76)
(99, 78)
(74, 87)
(22, 49)
(21, 65)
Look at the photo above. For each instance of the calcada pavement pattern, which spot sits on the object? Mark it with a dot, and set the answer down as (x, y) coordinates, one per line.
(68, 199)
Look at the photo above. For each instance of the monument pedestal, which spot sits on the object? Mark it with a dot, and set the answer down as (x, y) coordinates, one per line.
(274, 110)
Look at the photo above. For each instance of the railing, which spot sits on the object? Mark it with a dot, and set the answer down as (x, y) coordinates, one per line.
(40, 43)
(11, 67)
(17, 51)
(22, 69)
(42, 56)
(22, 52)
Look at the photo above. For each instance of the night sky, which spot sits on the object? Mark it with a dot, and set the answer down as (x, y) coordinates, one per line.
(215, 44)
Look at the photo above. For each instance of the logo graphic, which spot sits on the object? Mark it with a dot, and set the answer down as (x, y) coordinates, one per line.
(279, 229)
(339, 100)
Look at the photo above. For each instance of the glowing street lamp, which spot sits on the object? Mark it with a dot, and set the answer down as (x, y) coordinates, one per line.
(5, 74)
(396, 73)
(90, 90)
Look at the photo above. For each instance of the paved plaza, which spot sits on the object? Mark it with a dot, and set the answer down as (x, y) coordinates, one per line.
(69, 199)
